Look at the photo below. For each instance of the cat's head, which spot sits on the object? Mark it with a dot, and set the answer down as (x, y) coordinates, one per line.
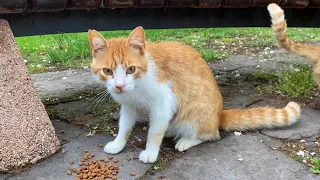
(118, 62)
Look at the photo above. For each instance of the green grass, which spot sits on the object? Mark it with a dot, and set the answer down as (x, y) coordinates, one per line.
(294, 84)
(315, 166)
(61, 51)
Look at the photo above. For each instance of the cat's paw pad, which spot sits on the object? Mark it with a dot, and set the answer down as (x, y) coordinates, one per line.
(184, 144)
(113, 147)
(148, 156)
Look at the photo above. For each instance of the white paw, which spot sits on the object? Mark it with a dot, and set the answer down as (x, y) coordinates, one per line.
(184, 144)
(113, 147)
(148, 156)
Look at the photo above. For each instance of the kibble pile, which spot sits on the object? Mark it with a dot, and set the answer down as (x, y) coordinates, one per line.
(96, 169)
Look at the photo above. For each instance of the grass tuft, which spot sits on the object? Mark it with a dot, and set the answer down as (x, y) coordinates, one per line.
(294, 84)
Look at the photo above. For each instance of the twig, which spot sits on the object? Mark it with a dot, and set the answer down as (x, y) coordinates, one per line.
(250, 104)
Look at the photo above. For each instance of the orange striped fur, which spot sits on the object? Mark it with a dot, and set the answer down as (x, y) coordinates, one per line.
(173, 68)
(279, 28)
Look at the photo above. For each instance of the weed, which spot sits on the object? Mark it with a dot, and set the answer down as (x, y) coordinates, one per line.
(315, 165)
(294, 84)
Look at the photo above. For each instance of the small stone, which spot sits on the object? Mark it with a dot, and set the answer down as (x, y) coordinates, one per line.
(101, 145)
(69, 172)
(300, 153)
(236, 133)
(71, 162)
(62, 131)
(116, 116)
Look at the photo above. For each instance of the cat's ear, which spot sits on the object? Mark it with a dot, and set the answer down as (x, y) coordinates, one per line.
(97, 42)
(136, 40)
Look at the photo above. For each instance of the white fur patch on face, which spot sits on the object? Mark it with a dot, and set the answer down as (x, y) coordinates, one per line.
(119, 76)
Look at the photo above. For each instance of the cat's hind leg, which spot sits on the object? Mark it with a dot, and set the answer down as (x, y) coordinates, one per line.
(192, 134)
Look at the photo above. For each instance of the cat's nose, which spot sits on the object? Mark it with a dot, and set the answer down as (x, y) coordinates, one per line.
(120, 87)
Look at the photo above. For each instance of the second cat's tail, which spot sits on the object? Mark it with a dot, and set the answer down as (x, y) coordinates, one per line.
(259, 118)
(279, 28)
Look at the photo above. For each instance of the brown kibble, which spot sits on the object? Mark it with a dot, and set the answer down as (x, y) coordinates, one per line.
(110, 157)
(71, 161)
(101, 145)
(86, 151)
(106, 160)
(114, 178)
(115, 160)
(133, 174)
(69, 172)
(81, 163)
(82, 160)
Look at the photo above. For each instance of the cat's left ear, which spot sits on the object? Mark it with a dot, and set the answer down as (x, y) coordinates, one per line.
(136, 40)
(97, 42)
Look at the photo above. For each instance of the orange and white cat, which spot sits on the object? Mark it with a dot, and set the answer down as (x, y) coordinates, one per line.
(279, 28)
(172, 83)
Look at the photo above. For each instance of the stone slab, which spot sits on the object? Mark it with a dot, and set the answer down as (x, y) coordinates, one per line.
(67, 132)
(221, 160)
(71, 110)
(307, 127)
(4, 176)
(62, 84)
(26, 133)
(56, 166)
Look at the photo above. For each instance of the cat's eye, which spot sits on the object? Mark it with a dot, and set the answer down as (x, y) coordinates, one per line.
(107, 71)
(131, 70)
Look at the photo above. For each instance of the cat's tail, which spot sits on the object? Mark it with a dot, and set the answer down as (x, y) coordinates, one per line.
(259, 118)
(279, 29)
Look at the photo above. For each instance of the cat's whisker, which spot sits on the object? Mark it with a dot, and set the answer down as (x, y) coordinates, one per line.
(143, 99)
(101, 94)
(100, 98)
(135, 101)
(94, 97)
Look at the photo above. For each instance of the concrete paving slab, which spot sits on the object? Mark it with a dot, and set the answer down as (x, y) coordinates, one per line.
(4, 176)
(233, 158)
(62, 84)
(67, 132)
(308, 126)
(56, 166)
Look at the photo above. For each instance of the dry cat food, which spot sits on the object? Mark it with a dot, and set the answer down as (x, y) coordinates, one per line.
(95, 169)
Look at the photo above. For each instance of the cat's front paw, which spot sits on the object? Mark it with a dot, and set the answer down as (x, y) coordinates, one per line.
(148, 156)
(113, 147)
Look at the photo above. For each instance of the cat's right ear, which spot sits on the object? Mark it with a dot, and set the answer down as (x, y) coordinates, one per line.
(97, 42)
